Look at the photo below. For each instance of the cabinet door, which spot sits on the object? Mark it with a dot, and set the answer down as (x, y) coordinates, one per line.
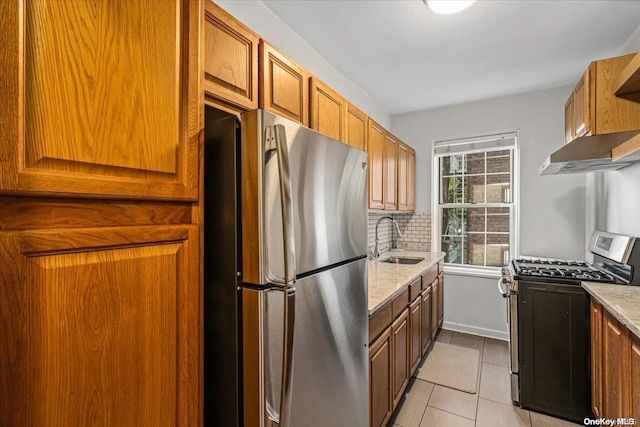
(105, 101)
(403, 176)
(425, 331)
(327, 110)
(376, 150)
(380, 375)
(230, 60)
(415, 317)
(411, 179)
(284, 85)
(635, 376)
(596, 358)
(100, 326)
(615, 368)
(581, 106)
(390, 174)
(400, 339)
(440, 300)
(356, 127)
(569, 121)
(434, 308)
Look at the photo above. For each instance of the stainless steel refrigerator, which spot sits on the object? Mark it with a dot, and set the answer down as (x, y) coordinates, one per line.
(286, 318)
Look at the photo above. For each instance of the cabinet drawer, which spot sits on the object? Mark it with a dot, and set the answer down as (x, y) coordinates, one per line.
(429, 276)
(415, 288)
(380, 320)
(400, 302)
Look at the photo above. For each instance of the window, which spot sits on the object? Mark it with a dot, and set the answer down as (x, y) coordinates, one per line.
(475, 190)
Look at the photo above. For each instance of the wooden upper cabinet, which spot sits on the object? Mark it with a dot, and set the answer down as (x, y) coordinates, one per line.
(284, 85)
(582, 105)
(403, 175)
(356, 127)
(104, 98)
(100, 326)
(411, 179)
(376, 149)
(596, 108)
(230, 61)
(327, 110)
(390, 174)
(569, 122)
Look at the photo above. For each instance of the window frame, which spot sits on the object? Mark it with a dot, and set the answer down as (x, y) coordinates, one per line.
(437, 207)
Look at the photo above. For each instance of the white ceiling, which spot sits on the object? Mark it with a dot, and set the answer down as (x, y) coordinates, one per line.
(409, 58)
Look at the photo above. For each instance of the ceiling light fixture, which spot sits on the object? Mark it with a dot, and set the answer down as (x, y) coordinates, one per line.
(447, 7)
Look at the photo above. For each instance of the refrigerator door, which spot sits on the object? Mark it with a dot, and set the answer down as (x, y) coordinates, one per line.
(330, 362)
(328, 193)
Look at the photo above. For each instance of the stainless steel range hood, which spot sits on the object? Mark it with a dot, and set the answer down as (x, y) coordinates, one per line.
(588, 154)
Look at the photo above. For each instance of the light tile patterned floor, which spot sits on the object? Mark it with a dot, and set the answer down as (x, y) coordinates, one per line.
(428, 405)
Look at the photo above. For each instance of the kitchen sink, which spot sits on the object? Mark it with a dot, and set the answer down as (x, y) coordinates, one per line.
(402, 260)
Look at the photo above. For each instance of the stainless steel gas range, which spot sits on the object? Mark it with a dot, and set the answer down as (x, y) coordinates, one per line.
(548, 316)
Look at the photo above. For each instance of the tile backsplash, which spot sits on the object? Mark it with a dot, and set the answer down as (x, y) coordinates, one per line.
(415, 229)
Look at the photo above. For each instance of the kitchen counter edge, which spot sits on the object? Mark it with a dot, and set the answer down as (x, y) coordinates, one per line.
(387, 280)
(623, 302)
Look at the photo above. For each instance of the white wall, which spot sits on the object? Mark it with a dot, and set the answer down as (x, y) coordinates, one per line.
(255, 15)
(614, 197)
(552, 208)
(552, 217)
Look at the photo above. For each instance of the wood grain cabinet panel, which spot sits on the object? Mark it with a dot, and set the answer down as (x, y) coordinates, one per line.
(415, 321)
(425, 328)
(230, 60)
(376, 149)
(596, 358)
(403, 175)
(100, 326)
(582, 106)
(327, 110)
(284, 85)
(105, 100)
(569, 122)
(390, 174)
(380, 373)
(356, 127)
(435, 307)
(615, 368)
(635, 376)
(440, 300)
(401, 344)
(411, 179)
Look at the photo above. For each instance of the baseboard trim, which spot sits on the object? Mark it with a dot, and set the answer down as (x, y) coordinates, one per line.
(483, 332)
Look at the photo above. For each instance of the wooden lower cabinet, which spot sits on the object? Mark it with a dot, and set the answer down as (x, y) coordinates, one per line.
(425, 327)
(380, 372)
(615, 368)
(400, 339)
(440, 300)
(634, 341)
(596, 358)
(100, 326)
(415, 322)
(435, 308)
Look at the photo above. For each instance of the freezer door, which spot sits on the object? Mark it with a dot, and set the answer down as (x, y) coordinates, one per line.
(330, 363)
(328, 194)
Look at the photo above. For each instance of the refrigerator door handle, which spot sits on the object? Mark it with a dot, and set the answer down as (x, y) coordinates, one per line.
(275, 135)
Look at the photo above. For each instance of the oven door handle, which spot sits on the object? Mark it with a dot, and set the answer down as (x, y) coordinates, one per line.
(505, 291)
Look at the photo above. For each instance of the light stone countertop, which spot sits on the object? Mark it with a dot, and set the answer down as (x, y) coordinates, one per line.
(387, 280)
(622, 301)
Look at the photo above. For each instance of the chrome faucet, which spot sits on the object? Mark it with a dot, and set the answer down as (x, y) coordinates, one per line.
(376, 253)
